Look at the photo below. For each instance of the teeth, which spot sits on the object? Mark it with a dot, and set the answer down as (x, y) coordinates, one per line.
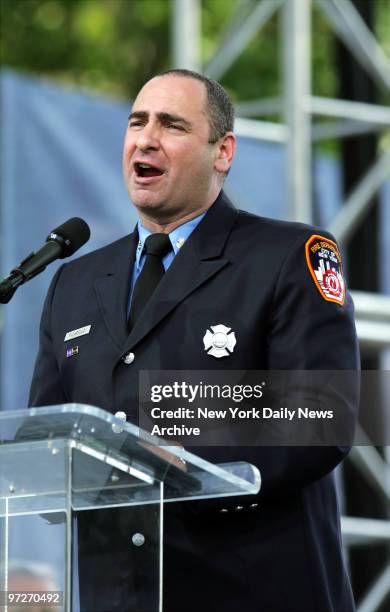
(144, 166)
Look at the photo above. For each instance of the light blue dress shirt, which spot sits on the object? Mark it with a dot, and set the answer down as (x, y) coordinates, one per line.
(177, 237)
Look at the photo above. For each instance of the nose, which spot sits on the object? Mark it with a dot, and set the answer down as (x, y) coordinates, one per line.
(149, 138)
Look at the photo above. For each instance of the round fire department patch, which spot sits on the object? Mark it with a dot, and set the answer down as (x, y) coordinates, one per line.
(324, 262)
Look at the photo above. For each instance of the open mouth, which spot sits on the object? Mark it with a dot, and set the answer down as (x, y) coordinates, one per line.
(146, 170)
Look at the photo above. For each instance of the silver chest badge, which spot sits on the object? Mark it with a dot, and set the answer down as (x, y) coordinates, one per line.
(219, 342)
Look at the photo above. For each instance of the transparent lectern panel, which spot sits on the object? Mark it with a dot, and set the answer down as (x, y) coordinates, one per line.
(33, 476)
(69, 555)
(84, 475)
(120, 552)
(32, 559)
(128, 465)
(97, 483)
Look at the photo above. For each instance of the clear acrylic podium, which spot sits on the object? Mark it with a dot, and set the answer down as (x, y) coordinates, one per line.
(61, 460)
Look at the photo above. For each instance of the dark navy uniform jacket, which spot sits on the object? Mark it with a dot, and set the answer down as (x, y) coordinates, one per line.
(250, 274)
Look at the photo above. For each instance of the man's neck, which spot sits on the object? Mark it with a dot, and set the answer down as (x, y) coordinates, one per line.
(167, 226)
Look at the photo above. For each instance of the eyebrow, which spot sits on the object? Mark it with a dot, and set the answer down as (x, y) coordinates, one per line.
(163, 117)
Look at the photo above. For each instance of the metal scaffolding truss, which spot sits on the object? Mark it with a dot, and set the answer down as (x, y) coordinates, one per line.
(298, 131)
(300, 108)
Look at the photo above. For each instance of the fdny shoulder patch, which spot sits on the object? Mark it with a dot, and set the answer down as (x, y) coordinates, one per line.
(324, 262)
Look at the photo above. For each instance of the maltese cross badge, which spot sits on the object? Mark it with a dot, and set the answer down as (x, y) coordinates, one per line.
(220, 341)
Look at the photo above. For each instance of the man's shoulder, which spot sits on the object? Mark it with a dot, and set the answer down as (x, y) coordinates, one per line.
(275, 231)
(265, 227)
(277, 226)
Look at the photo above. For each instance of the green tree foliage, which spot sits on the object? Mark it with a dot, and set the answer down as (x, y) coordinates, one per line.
(110, 46)
(113, 46)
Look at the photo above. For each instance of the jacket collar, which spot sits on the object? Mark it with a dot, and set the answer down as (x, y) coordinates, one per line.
(112, 288)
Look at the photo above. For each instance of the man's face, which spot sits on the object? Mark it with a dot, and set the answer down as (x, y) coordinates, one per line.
(168, 163)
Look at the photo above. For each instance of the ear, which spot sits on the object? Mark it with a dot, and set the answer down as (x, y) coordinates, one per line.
(226, 148)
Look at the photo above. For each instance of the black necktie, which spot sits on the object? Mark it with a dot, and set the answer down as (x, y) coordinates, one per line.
(156, 247)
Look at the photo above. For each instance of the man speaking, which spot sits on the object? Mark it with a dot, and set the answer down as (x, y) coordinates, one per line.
(147, 300)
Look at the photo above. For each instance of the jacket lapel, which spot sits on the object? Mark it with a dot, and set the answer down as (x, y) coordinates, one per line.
(112, 289)
(199, 259)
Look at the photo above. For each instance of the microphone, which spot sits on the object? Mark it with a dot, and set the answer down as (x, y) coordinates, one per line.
(62, 242)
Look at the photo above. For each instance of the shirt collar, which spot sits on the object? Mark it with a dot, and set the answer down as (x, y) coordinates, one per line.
(177, 237)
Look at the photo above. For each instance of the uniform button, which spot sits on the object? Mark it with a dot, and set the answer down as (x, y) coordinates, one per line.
(122, 417)
(224, 511)
(253, 506)
(138, 539)
(128, 359)
(238, 508)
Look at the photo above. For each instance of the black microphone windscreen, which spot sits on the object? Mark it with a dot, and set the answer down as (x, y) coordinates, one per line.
(74, 233)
